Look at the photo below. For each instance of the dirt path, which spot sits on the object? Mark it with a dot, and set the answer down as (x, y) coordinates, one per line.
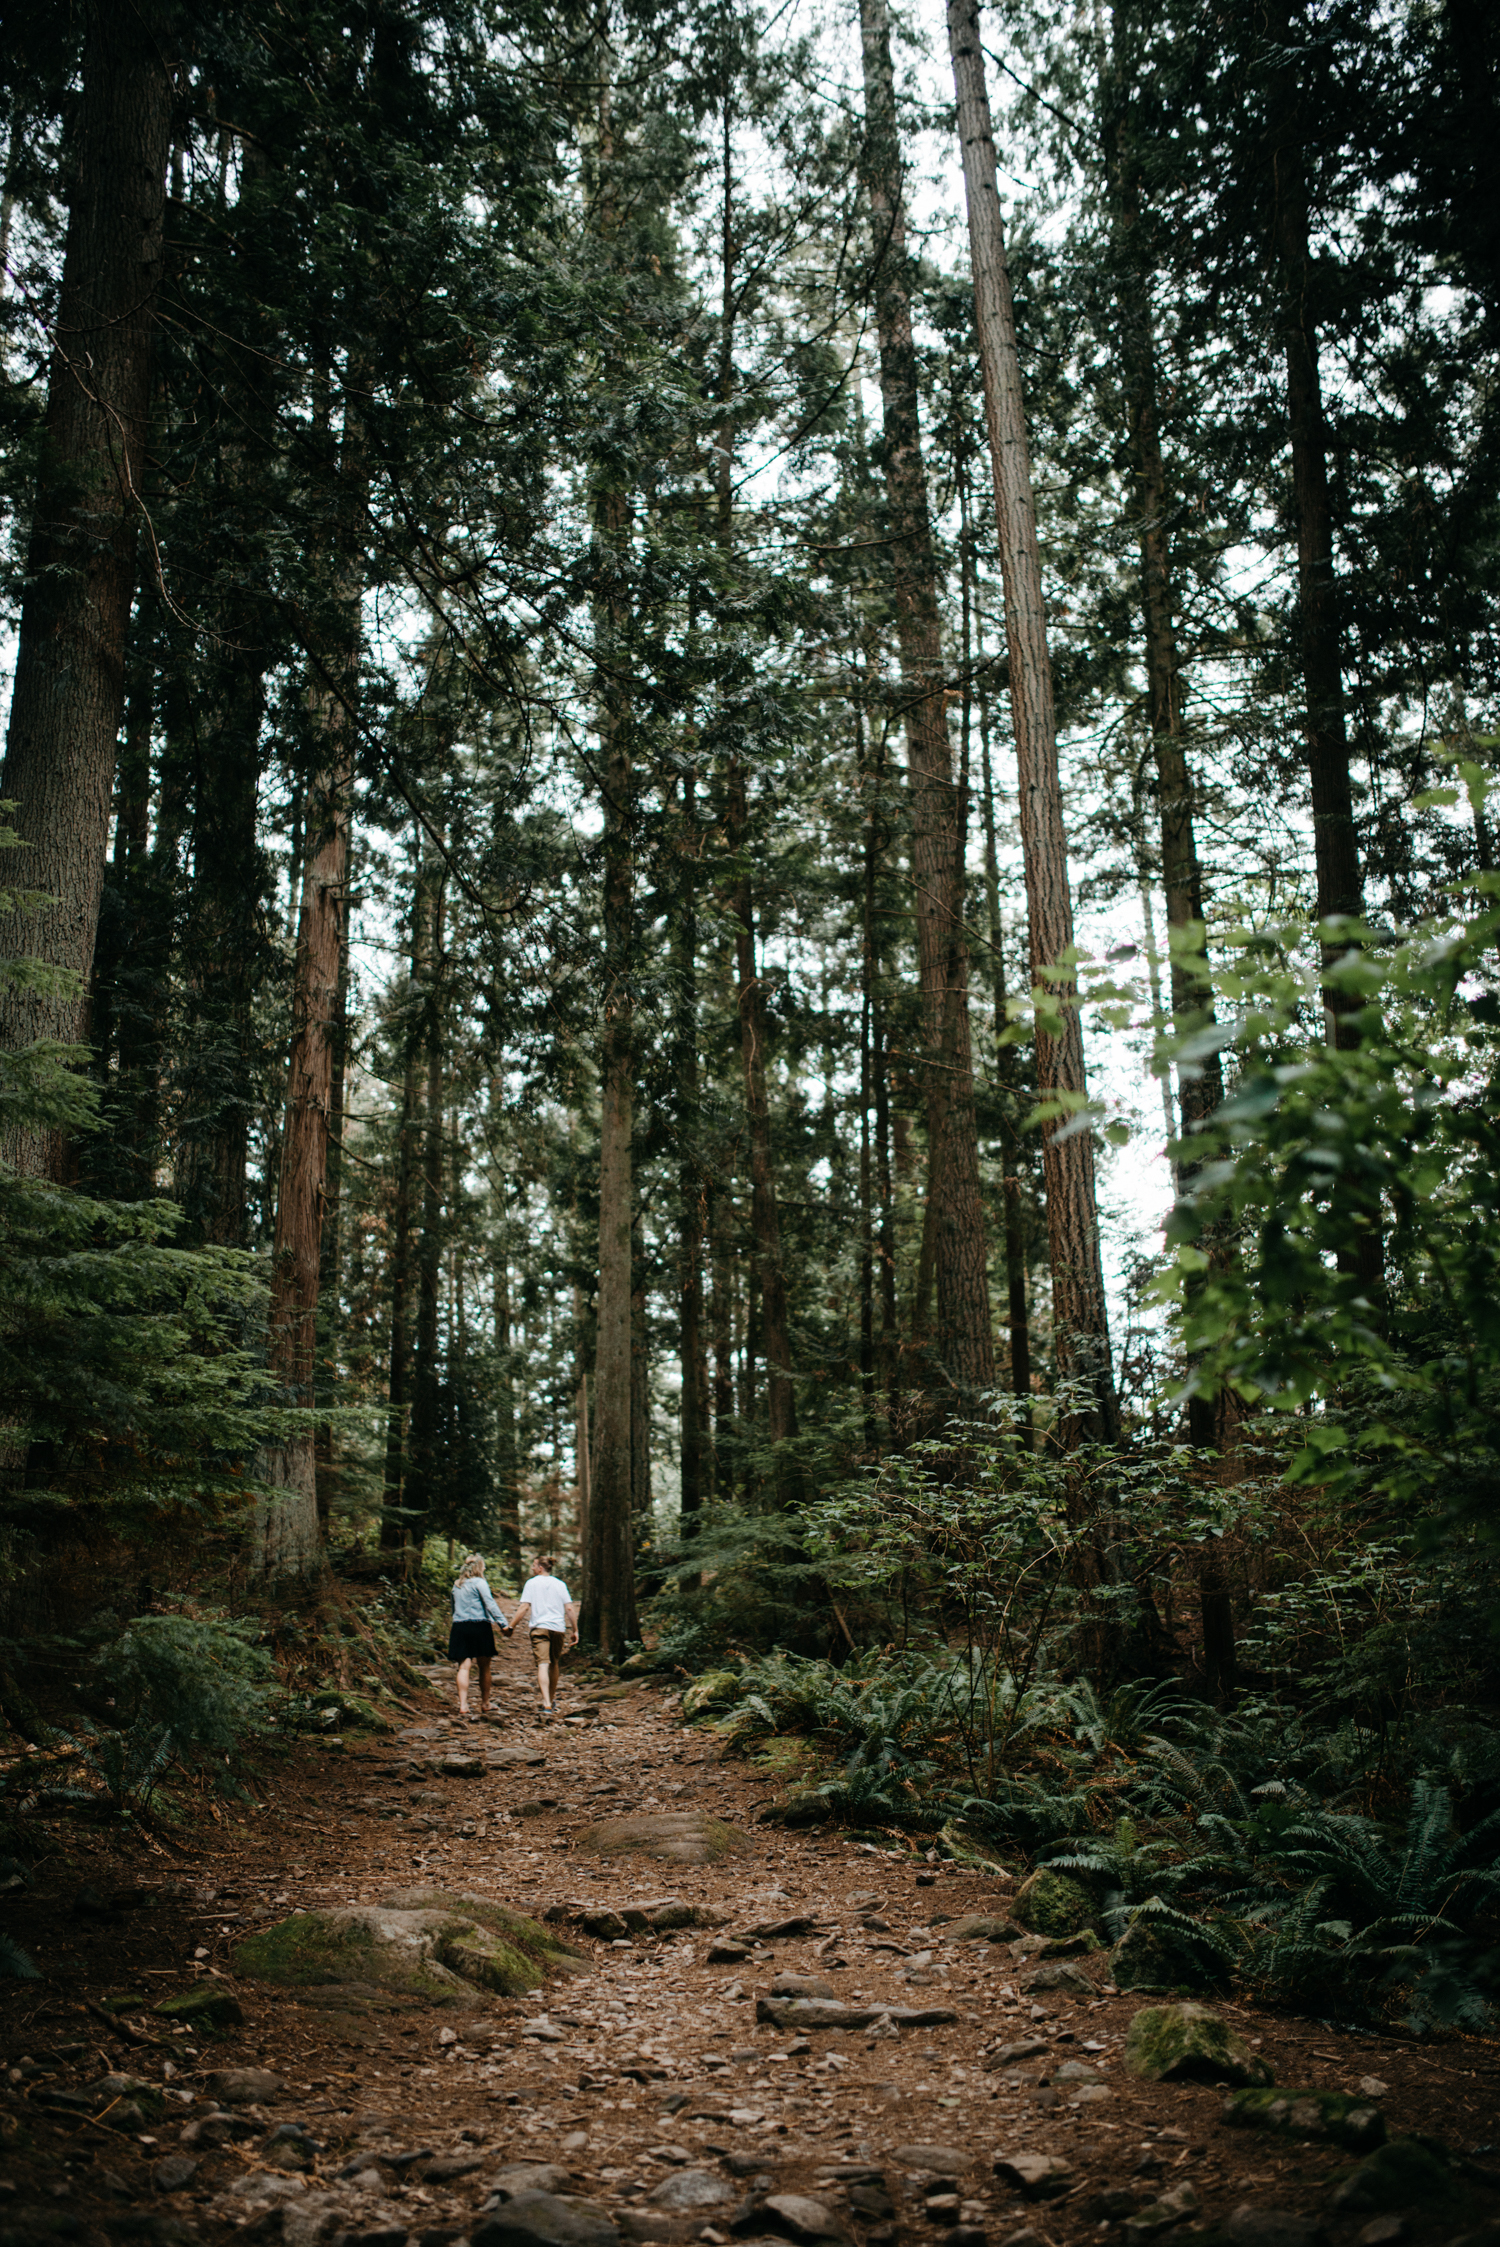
(653, 2063)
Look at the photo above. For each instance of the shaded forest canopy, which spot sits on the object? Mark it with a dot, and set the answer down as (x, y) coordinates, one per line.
(748, 781)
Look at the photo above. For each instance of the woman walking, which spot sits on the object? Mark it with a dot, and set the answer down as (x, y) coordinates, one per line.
(471, 1637)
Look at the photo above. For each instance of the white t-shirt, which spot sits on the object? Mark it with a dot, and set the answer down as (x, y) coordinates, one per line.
(547, 1597)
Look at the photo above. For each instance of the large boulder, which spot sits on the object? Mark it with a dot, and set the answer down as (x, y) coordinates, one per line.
(675, 1837)
(1189, 2044)
(1049, 1903)
(421, 1942)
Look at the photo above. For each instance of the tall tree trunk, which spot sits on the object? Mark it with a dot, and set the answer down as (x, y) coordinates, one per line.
(765, 1215)
(1017, 1311)
(609, 1615)
(1080, 1321)
(286, 1541)
(507, 1461)
(393, 1527)
(690, 1183)
(424, 1450)
(721, 1328)
(69, 686)
(640, 1404)
(954, 1249)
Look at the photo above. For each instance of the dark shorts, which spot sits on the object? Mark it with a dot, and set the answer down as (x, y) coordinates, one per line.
(471, 1642)
(547, 1646)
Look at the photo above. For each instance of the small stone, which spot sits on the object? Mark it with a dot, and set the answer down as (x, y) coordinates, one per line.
(1371, 2087)
(177, 2170)
(447, 2036)
(1384, 2231)
(459, 1766)
(724, 1952)
(204, 2010)
(938, 2161)
(542, 2219)
(1250, 2226)
(1040, 2176)
(870, 2200)
(1010, 2055)
(1075, 2071)
(311, 2220)
(802, 1985)
(943, 2205)
(529, 2176)
(690, 2188)
(801, 2216)
(606, 1925)
(242, 2087)
(1333, 2115)
(1403, 2173)
(1065, 1977)
(986, 1927)
(1159, 2215)
(446, 2166)
(267, 2190)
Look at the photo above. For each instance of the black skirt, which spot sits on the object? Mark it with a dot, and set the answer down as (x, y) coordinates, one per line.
(469, 1642)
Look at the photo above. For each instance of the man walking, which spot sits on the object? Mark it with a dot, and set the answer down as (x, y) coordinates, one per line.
(553, 1614)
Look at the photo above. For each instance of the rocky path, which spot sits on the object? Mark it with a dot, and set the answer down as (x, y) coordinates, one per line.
(683, 2085)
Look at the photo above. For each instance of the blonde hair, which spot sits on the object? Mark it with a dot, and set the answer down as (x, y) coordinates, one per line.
(473, 1566)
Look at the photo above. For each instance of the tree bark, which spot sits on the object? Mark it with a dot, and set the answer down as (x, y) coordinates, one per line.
(765, 1215)
(690, 1184)
(286, 1541)
(609, 1612)
(393, 1532)
(423, 1489)
(954, 1250)
(69, 686)
(1080, 1321)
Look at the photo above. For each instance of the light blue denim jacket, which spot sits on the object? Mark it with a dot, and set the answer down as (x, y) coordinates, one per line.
(472, 1601)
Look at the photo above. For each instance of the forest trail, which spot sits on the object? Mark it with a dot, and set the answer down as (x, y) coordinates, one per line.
(393, 2122)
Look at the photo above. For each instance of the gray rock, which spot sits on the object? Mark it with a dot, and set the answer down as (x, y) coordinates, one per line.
(1040, 2176)
(529, 2176)
(177, 2170)
(460, 1766)
(677, 1837)
(542, 2219)
(1383, 2231)
(1075, 2071)
(606, 1925)
(310, 2220)
(690, 2188)
(1011, 2055)
(830, 2013)
(987, 1927)
(263, 2189)
(801, 1985)
(722, 1951)
(447, 2166)
(1173, 2207)
(1333, 2115)
(242, 2087)
(802, 2217)
(938, 2161)
(1403, 2173)
(1252, 2226)
(1063, 1976)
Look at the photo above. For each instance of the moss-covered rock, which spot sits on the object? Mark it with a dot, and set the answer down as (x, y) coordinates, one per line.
(419, 1942)
(207, 2010)
(971, 1850)
(352, 1712)
(1189, 2044)
(716, 1689)
(1403, 2173)
(1049, 1903)
(1149, 1956)
(675, 1837)
(1334, 2115)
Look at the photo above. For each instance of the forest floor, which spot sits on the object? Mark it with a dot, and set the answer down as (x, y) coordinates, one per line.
(652, 2063)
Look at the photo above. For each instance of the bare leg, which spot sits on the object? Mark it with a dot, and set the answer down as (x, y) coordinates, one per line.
(484, 1684)
(552, 1677)
(463, 1688)
(545, 1672)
